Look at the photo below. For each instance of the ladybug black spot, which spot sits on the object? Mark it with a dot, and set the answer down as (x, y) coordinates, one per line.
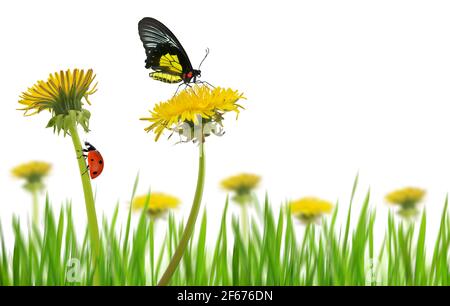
(92, 159)
(100, 161)
(95, 172)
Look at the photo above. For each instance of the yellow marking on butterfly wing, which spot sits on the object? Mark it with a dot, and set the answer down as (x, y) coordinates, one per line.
(166, 77)
(171, 62)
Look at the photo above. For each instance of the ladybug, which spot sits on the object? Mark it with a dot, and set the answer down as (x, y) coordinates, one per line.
(94, 159)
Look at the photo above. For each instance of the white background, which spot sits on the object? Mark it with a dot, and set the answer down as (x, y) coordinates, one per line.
(333, 87)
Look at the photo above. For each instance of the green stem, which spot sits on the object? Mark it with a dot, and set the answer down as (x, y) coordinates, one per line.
(35, 212)
(189, 229)
(89, 200)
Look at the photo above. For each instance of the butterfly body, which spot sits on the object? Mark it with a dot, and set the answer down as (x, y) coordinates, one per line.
(165, 54)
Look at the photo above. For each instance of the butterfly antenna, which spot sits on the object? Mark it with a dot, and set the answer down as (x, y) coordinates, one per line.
(206, 55)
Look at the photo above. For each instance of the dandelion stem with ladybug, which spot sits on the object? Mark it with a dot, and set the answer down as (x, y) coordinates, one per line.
(64, 94)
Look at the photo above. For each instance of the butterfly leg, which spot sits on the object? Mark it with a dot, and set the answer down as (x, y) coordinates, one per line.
(176, 91)
(205, 82)
(186, 86)
(190, 86)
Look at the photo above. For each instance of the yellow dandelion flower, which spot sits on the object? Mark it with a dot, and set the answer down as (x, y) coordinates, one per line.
(62, 95)
(197, 105)
(34, 170)
(241, 184)
(310, 208)
(157, 203)
(406, 197)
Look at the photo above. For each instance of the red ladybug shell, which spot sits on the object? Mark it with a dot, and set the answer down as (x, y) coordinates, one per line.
(95, 162)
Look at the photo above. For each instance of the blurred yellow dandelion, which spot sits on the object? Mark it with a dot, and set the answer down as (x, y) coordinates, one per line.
(407, 198)
(309, 209)
(189, 107)
(32, 171)
(158, 203)
(241, 184)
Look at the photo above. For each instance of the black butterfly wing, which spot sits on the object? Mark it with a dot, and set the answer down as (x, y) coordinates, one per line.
(165, 55)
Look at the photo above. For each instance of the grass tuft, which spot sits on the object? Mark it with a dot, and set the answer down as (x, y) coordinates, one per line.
(275, 250)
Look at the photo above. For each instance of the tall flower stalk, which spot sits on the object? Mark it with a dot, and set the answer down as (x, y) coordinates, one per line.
(193, 114)
(88, 194)
(190, 225)
(64, 94)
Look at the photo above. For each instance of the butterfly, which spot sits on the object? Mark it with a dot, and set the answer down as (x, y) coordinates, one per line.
(165, 54)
